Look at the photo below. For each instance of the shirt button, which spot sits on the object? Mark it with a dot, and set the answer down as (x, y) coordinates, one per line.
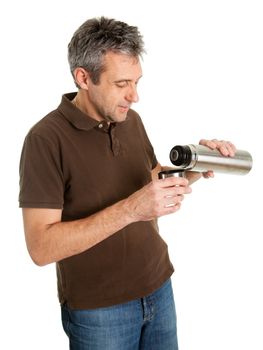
(100, 126)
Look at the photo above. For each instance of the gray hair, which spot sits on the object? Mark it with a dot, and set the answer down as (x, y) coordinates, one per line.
(97, 36)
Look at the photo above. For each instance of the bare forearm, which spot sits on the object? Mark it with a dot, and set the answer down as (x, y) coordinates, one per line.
(64, 239)
(51, 240)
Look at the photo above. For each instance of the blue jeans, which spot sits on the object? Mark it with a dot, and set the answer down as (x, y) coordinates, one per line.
(143, 324)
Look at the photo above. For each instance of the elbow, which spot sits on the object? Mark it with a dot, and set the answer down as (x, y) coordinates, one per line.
(37, 259)
(38, 248)
(37, 256)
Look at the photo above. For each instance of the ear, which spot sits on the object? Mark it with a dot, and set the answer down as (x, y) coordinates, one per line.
(82, 78)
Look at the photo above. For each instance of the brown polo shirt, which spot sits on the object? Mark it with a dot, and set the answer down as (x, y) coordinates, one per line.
(72, 162)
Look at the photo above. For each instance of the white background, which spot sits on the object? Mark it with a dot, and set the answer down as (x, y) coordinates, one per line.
(203, 78)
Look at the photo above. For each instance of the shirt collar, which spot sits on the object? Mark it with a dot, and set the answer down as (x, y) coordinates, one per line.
(77, 118)
(74, 115)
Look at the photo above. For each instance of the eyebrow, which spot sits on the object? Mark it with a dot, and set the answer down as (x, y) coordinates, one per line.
(128, 80)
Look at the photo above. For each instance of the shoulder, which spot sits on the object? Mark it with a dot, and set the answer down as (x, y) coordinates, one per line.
(49, 122)
(48, 128)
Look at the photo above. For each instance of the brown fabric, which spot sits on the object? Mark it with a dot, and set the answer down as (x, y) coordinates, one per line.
(72, 162)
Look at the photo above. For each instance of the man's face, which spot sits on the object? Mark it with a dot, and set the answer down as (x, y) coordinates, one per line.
(112, 97)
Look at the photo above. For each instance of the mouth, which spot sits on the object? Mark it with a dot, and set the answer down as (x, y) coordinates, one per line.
(124, 108)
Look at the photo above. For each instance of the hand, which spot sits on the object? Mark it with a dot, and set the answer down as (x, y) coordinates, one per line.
(226, 148)
(158, 198)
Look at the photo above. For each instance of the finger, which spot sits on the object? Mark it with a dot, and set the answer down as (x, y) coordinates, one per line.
(208, 174)
(226, 148)
(223, 148)
(231, 148)
(176, 190)
(172, 209)
(209, 143)
(173, 200)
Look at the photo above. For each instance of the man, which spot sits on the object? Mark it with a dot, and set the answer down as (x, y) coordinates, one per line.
(91, 196)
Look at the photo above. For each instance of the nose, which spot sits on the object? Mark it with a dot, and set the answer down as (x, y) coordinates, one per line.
(132, 94)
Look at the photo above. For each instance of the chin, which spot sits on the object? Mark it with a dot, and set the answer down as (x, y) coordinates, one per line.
(122, 118)
(118, 118)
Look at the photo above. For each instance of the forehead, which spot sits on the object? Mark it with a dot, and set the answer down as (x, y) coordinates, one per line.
(122, 66)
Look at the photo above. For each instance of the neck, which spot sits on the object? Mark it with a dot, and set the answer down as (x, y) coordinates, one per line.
(81, 101)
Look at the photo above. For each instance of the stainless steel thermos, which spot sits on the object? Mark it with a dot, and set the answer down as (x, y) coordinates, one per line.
(201, 158)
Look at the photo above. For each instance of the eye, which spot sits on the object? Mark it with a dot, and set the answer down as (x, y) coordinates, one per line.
(121, 84)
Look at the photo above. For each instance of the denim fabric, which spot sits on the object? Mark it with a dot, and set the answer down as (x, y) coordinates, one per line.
(143, 324)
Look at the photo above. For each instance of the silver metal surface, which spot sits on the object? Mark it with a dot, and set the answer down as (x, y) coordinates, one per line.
(204, 159)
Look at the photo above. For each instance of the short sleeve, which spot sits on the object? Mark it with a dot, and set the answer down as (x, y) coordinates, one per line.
(41, 176)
